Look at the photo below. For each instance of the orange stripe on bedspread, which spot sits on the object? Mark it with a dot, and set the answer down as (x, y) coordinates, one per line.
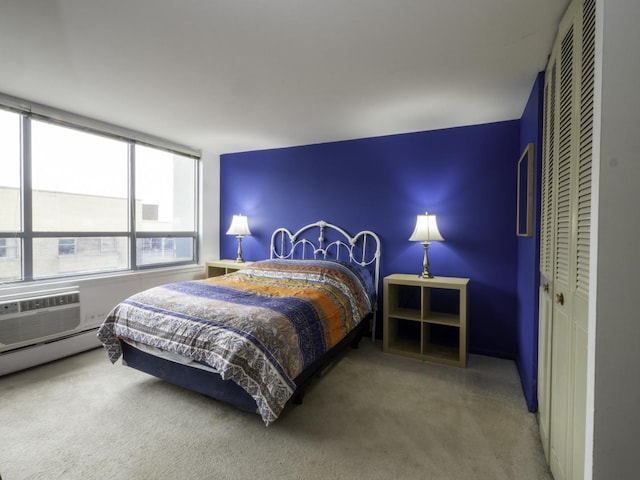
(332, 307)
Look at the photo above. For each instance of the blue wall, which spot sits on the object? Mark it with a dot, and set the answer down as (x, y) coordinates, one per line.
(464, 175)
(529, 254)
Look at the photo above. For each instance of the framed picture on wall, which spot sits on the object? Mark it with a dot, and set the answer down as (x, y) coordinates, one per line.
(524, 208)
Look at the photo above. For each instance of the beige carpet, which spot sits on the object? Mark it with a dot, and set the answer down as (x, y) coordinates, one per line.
(372, 416)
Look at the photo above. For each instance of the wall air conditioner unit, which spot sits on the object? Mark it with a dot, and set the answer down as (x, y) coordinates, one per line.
(38, 317)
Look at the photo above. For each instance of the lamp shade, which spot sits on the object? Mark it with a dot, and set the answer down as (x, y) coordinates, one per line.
(239, 226)
(426, 229)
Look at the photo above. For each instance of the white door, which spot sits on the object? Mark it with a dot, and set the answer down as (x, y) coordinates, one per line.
(565, 233)
(581, 201)
(547, 235)
(561, 346)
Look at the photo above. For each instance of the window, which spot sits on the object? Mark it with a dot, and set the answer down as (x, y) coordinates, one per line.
(149, 212)
(83, 213)
(10, 207)
(67, 246)
(79, 180)
(108, 245)
(8, 248)
(10, 198)
(166, 182)
(10, 260)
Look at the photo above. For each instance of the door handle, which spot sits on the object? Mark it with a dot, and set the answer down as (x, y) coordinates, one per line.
(560, 298)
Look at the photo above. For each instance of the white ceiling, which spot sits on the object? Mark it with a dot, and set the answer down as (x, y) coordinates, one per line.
(237, 75)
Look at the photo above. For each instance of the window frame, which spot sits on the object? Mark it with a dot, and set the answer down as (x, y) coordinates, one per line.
(26, 235)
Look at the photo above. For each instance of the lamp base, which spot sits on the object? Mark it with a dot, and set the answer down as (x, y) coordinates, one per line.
(425, 263)
(239, 259)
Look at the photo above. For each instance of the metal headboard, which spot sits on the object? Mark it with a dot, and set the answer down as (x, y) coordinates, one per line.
(362, 249)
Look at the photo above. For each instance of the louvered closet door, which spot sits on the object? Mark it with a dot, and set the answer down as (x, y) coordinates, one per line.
(582, 235)
(565, 234)
(546, 258)
(560, 415)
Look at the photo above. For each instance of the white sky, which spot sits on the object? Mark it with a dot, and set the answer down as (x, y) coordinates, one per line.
(65, 160)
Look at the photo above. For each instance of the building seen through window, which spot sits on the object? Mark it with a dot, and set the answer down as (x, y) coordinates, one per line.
(78, 199)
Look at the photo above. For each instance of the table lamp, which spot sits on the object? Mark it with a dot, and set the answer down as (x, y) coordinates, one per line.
(239, 227)
(426, 231)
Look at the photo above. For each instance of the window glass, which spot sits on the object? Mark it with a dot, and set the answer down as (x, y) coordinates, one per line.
(159, 250)
(8, 248)
(10, 260)
(67, 256)
(79, 220)
(79, 180)
(67, 246)
(165, 191)
(10, 220)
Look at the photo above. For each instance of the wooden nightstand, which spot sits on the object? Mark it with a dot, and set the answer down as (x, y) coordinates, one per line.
(216, 268)
(418, 321)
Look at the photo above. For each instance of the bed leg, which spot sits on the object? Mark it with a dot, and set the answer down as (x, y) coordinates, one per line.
(355, 343)
(298, 398)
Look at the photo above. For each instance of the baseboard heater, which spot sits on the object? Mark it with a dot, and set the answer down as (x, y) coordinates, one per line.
(93, 331)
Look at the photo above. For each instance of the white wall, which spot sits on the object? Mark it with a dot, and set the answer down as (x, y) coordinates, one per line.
(210, 207)
(614, 317)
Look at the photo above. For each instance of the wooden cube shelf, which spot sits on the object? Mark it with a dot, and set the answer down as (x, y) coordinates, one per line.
(216, 268)
(415, 326)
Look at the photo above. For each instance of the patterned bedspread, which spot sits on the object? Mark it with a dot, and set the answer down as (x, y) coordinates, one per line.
(260, 326)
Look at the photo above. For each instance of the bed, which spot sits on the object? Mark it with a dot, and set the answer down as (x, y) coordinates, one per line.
(255, 337)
